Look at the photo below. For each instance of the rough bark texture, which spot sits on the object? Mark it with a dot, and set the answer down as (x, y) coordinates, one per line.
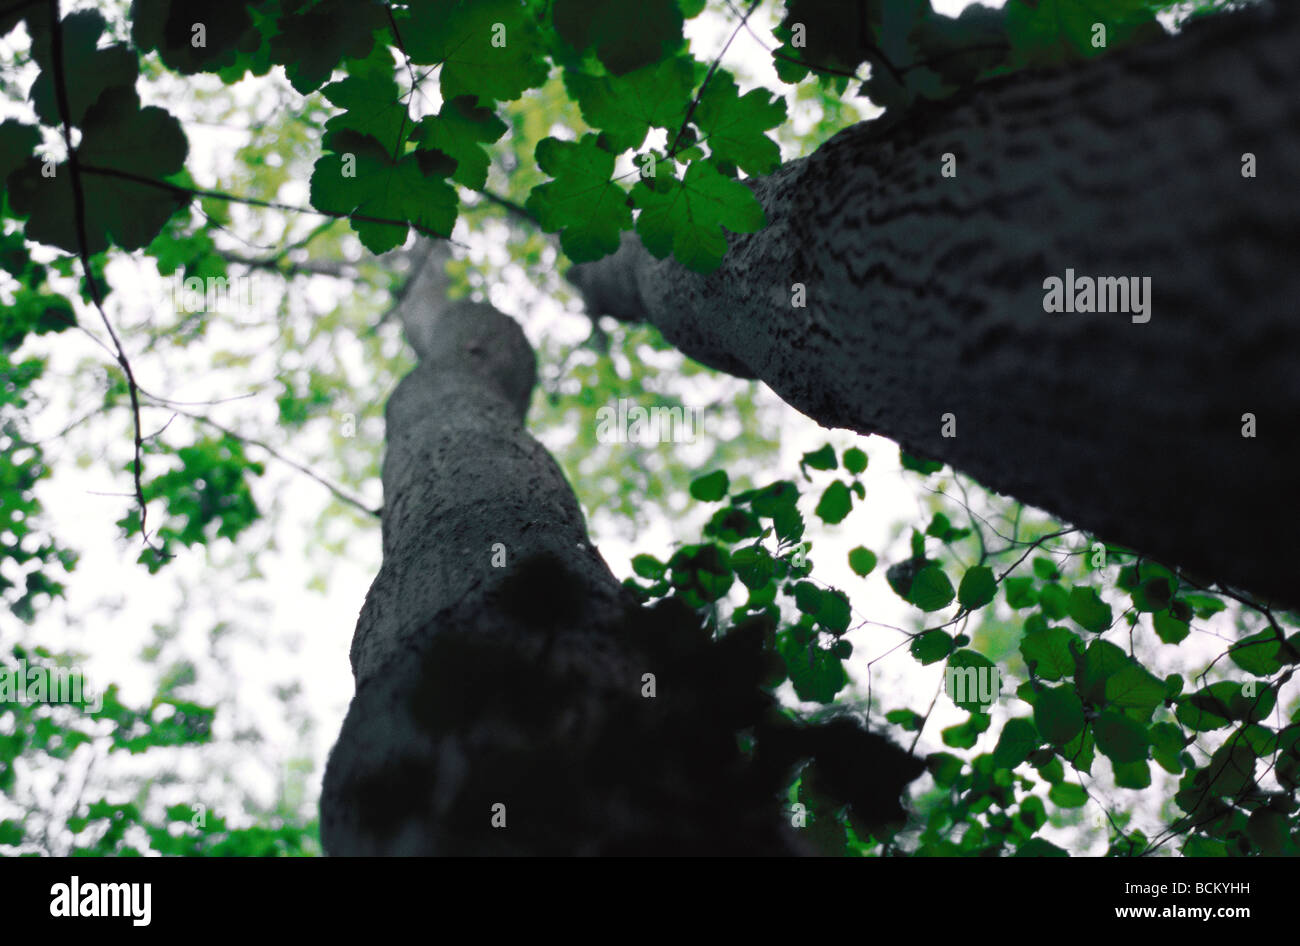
(521, 685)
(926, 294)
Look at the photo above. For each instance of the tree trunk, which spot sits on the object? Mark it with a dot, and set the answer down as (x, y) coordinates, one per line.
(499, 662)
(926, 294)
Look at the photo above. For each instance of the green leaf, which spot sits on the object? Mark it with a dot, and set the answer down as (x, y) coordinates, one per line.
(1020, 592)
(310, 42)
(807, 597)
(1037, 847)
(380, 188)
(965, 735)
(977, 588)
(822, 459)
(1231, 769)
(1047, 652)
(828, 606)
(1018, 739)
(908, 719)
(626, 36)
(687, 217)
(1054, 601)
(489, 49)
(1257, 654)
(944, 766)
(117, 136)
(1198, 718)
(918, 464)
(733, 125)
(788, 523)
(1058, 714)
(35, 313)
(1134, 687)
(1270, 832)
(862, 561)
(1046, 569)
(753, 565)
(1051, 768)
(817, 675)
(1204, 605)
(647, 566)
(834, 614)
(17, 143)
(168, 27)
(1100, 661)
(931, 589)
(835, 503)
(1135, 775)
(1200, 846)
(626, 107)
(942, 529)
(370, 97)
(1210, 707)
(1154, 594)
(1032, 812)
(1166, 746)
(88, 70)
(1168, 628)
(1049, 31)
(712, 487)
(1068, 795)
(767, 499)
(11, 833)
(931, 646)
(583, 203)
(855, 461)
(732, 524)
(207, 496)
(1120, 738)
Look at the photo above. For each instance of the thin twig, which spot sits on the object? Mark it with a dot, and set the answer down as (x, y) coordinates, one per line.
(338, 492)
(690, 111)
(192, 192)
(79, 213)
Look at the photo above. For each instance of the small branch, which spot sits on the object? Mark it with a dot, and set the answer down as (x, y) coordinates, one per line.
(190, 193)
(277, 264)
(1033, 545)
(338, 492)
(690, 111)
(406, 114)
(516, 209)
(79, 212)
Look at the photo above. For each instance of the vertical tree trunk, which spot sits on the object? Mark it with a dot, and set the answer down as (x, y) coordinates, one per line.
(498, 662)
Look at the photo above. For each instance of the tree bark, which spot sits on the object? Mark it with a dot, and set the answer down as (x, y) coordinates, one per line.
(926, 294)
(499, 662)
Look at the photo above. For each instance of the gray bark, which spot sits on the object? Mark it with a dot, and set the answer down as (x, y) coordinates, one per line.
(926, 293)
(521, 685)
